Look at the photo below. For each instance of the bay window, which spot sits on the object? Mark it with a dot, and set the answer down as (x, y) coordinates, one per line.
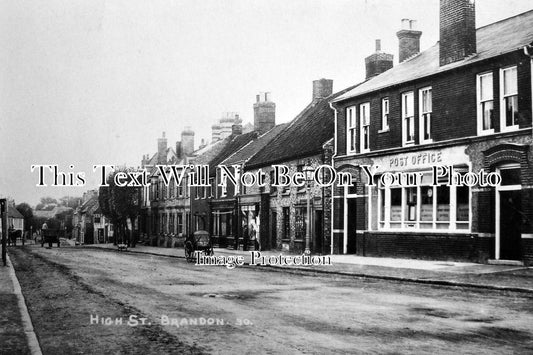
(509, 99)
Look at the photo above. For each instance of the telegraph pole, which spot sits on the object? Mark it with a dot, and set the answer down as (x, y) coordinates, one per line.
(3, 216)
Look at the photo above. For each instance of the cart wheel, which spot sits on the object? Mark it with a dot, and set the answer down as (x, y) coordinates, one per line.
(209, 251)
(189, 251)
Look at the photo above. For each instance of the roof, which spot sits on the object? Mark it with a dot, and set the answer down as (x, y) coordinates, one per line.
(303, 137)
(234, 144)
(254, 146)
(492, 40)
(14, 213)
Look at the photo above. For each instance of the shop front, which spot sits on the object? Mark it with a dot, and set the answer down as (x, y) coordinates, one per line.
(464, 203)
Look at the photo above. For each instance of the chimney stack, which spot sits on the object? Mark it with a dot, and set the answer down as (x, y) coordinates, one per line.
(378, 62)
(187, 141)
(457, 30)
(264, 113)
(322, 88)
(179, 150)
(162, 150)
(236, 129)
(409, 40)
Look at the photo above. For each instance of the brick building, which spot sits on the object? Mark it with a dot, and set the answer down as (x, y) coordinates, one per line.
(283, 211)
(464, 103)
(165, 210)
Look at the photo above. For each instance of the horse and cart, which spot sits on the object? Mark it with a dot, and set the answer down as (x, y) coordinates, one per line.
(198, 242)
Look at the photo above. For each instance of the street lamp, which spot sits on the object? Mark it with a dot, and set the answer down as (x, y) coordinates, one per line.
(308, 171)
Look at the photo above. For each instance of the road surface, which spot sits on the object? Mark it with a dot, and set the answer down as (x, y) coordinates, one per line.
(211, 309)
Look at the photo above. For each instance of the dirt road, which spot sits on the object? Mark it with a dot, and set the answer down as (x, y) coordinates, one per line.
(255, 310)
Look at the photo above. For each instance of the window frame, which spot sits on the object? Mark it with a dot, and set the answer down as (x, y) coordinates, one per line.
(403, 224)
(405, 116)
(364, 137)
(421, 113)
(503, 117)
(385, 113)
(479, 104)
(351, 129)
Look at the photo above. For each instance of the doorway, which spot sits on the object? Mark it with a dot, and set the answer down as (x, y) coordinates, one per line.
(509, 214)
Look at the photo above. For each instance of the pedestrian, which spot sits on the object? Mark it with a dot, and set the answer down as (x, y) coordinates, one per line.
(43, 235)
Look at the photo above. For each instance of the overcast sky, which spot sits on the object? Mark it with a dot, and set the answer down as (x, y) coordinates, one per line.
(96, 82)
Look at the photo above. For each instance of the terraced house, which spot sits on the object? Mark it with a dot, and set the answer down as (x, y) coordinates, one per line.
(465, 104)
(165, 210)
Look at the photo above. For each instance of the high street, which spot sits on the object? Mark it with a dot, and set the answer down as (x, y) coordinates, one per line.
(81, 299)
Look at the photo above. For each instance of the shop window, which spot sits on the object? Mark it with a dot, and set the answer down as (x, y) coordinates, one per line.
(351, 131)
(424, 207)
(485, 97)
(425, 115)
(411, 204)
(364, 117)
(408, 118)
(300, 222)
(509, 99)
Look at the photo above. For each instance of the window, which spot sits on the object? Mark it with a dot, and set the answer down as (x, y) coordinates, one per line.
(385, 114)
(425, 115)
(364, 114)
(425, 207)
(485, 110)
(408, 118)
(351, 124)
(179, 223)
(509, 99)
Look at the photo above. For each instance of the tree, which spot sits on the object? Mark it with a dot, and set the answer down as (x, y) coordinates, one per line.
(27, 212)
(120, 204)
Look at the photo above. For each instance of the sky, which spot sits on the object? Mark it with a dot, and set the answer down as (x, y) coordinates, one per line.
(97, 82)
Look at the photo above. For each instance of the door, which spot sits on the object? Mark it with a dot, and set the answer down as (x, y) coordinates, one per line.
(273, 230)
(317, 243)
(510, 223)
(351, 227)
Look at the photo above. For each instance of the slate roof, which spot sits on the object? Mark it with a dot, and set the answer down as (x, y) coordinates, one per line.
(303, 137)
(492, 40)
(234, 144)
(253, 147)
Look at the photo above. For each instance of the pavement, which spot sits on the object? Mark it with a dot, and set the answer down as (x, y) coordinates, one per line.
(448, 273)
(16, 330)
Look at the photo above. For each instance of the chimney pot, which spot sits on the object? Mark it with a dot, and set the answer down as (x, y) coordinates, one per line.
(378, 45)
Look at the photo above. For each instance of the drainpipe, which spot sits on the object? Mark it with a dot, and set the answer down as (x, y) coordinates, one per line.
(332, 186)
